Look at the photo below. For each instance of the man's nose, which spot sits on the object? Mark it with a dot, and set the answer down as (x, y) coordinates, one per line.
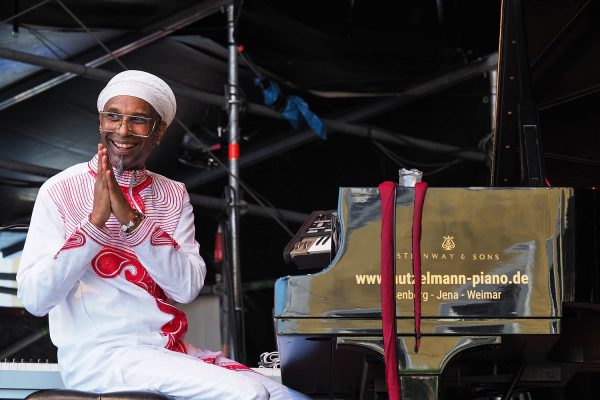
(125, 128)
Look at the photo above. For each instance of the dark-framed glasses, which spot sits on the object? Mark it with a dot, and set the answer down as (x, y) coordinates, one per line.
(136, 124)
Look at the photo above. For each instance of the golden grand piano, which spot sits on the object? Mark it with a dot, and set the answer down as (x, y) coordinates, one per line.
(500, 297)
(510, 273)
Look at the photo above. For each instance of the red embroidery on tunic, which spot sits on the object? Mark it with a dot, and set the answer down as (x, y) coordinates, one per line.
(110, 262)
(77, 239)
(161, 238)
(135, 192)
(226, 363)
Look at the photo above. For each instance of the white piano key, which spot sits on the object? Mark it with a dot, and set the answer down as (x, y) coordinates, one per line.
(321, 245)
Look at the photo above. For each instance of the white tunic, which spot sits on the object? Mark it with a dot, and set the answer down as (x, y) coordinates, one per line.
(108, 297)
(103, 291)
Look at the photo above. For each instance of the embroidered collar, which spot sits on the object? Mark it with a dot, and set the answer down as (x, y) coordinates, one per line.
(125, 178)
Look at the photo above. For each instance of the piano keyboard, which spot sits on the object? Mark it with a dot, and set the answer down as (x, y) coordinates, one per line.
(28, 366)
(315, 243)
(312, 245)
(19, 379)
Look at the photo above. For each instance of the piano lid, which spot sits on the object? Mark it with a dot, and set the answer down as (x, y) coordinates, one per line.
(548, 94)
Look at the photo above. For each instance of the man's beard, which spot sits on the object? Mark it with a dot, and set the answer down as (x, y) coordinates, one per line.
(119, 167)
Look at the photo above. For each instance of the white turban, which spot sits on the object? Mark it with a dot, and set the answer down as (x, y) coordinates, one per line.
(145, 86)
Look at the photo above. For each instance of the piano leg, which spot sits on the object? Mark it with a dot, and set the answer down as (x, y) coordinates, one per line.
(419, 372)
(419, 387)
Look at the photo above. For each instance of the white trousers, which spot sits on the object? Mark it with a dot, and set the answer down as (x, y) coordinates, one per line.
(187, 378)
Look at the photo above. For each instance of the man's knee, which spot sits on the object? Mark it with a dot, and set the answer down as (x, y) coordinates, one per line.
(252, 390)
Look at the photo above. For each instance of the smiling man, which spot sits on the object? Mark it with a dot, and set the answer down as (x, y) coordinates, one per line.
(137, 117)
(110, 245)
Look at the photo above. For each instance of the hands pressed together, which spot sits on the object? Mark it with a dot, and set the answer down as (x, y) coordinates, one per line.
(108, 198)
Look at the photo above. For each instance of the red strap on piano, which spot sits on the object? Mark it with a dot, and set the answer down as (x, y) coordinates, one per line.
(420, 190)
(387, 193)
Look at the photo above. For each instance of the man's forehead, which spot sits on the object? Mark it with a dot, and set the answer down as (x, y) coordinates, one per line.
(132, 103)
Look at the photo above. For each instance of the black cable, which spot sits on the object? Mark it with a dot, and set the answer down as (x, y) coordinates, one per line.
(401, 162)
(574, 159)
(392, 156)
(15, 30)
(243, 184)
(14, 227)
(45, 42)
(189, 163)
(41, 40)
(440, 148)
(108, 51)
(513, 384)
(24, 11)
(238, 12)
(442, 168)
(272, 207)
(250, 64)
(404, 160)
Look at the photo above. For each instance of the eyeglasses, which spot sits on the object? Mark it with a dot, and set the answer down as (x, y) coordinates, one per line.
(136, 124)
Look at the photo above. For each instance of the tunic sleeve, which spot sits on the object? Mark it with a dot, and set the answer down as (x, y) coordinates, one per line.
(52, 262)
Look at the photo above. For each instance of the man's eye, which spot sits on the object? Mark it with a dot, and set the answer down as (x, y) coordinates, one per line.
(138, 120)
(113, 116)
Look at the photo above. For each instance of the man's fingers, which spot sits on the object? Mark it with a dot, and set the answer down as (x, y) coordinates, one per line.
(101, 208)
(110, 180)
(105, 164)
(99, 171)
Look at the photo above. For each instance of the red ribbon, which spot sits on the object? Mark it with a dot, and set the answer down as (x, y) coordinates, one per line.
(420, 190)
(387, 193)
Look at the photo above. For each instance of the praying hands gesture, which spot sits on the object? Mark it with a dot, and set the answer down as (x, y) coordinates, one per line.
(108, 198)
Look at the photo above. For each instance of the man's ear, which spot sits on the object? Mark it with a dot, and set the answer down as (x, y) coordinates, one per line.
(160, 132)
